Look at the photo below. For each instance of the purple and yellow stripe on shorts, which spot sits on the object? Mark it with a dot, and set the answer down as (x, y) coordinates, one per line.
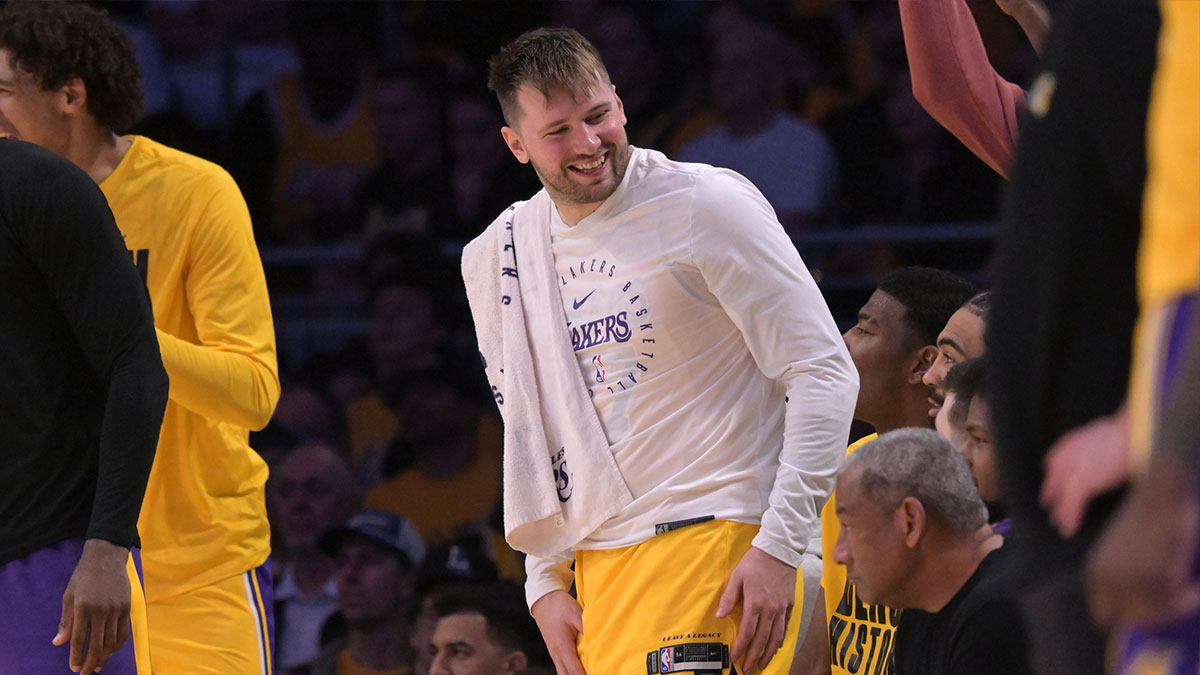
(260, 594)
(1164, 334)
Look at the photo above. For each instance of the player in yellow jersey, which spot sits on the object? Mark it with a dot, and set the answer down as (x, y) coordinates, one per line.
(892, 345)
(1144, 569)
(69, 82)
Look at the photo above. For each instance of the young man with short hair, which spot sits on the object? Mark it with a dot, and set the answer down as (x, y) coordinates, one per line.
(378, 554)
(672, 383)
(892, 346)
(485, 631)
(69, 82)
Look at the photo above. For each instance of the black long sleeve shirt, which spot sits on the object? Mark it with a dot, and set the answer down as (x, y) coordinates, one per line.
(83, 389)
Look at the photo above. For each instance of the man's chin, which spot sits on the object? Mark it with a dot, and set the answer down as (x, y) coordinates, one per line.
(865, 595)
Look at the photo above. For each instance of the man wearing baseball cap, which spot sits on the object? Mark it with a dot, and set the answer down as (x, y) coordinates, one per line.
(378, 554)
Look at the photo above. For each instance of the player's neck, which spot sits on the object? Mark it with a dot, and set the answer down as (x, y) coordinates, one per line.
(572, 212)
(96, 150)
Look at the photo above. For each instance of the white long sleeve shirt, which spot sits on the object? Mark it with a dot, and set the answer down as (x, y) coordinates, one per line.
(693, 319)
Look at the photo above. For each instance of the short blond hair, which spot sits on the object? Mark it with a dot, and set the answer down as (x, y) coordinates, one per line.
(546, 59)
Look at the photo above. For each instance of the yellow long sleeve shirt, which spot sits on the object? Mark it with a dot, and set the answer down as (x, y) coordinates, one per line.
(186, 224)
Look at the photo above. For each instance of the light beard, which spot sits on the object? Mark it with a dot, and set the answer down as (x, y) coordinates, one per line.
(563, 187)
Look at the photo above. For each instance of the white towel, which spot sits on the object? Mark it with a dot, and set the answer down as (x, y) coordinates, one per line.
(560, 479)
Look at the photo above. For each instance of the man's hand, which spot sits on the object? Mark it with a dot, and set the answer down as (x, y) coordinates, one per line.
(1139, 570)
(560, 619)
(1082, 465)
(766, 588)
(96, 606)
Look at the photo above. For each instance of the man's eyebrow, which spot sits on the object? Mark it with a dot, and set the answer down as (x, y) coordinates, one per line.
(863, 316)
(951, 343)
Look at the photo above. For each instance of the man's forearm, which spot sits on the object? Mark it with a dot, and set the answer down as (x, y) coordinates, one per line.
(235, 387)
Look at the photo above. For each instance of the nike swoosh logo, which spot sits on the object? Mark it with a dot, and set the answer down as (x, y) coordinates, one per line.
(579, 303)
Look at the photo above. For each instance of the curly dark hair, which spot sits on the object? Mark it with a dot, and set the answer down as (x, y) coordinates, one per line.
(58, 41)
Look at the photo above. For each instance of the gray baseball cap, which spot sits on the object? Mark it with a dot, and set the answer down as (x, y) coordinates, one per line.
(388, 529)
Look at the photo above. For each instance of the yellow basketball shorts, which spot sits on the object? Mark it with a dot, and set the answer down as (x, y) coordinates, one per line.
(652, 607)
(139, 632)
(221, 629)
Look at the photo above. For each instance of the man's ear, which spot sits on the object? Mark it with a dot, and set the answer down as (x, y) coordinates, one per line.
(620, 106)
(73, 97)
(923, 360)
(513, 141)
(911, 514)
(515, 662)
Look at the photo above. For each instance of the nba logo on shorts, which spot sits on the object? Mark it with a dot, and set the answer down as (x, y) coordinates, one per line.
(664, 659)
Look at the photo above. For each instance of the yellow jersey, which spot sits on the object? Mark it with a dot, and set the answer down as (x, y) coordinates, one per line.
(440, 508)
(186, 225)
(319, 165)
(860, 635)
(1169, 250)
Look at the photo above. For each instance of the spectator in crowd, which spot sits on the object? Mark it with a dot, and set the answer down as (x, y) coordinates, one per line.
(408, 333)
(410, 317)
(312, 492)
(637, 59)
(929, 177)
(462, 563)
(483, 178)
(378, 554)
(892, 345)
(208, 60)
(788, 159)
(485, 631)
(911, 539)
(309, 412)
(442, 471)
(849, 101)
(409, 192)
(301, 147)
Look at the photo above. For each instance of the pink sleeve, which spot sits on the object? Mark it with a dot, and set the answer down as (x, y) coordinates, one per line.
(954, 81)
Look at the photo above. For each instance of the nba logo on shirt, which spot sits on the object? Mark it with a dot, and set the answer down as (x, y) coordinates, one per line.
(664, 659)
